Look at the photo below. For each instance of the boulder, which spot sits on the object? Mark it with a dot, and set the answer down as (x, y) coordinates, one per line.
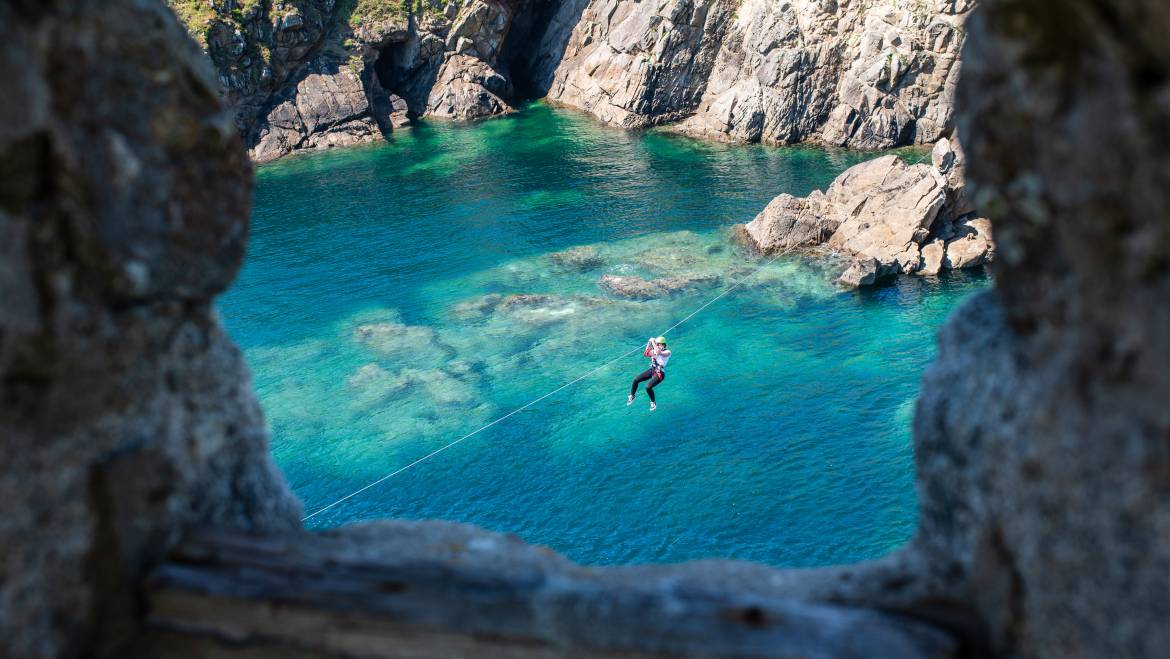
(399, 112)
(971, 245)
(468, 88)
(933, 253)
(328, 107)
(791, 222)
(948, 159)
(887, 210)
(862, 272)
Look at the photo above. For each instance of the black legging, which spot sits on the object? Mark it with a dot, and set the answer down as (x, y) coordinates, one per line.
(655, 377)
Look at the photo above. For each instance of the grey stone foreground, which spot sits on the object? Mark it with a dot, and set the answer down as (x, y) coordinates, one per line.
(143, 516)
(437, 589)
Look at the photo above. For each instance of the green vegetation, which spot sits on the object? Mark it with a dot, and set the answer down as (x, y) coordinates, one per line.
(361, 12)
(356, 64)
(196, 16)
(370, 12)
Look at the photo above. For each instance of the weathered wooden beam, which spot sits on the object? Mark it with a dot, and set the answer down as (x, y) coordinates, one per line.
(434, 589)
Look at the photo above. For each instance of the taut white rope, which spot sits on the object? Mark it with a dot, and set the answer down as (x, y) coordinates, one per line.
(535, 401)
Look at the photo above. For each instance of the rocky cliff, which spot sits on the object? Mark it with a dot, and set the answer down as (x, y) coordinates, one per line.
(863, 73)
(315, 73)
(886, 217)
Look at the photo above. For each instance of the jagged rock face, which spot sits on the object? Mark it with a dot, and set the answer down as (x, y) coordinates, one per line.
(308, 74)
(330, 106)
(864, 74)
(888, 216)
(640, 63)
(256, 48)
(886, 208)
(1047, 408)
(125, 412)
(467, 86)
(790, 222)
(859, 73)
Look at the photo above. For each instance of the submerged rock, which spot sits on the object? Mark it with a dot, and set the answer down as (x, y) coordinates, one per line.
(527, 300)
(367, 375)
(412, 343)
(637, 288)
(476, 307)
(670, 259)
(375, 384)
(582, 259)
(529, 308)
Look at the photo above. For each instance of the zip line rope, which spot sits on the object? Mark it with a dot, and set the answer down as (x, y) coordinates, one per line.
(537, 400)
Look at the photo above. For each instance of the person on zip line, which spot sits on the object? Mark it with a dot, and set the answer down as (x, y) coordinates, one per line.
(658, 353)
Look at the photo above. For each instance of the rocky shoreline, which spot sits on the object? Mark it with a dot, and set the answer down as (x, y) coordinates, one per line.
(859, 74)
(862, 74)
(886, 217)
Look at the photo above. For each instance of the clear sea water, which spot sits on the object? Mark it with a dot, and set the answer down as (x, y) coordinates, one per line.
(376, 310)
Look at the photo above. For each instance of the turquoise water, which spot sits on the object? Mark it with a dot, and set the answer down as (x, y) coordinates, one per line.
(398, 296)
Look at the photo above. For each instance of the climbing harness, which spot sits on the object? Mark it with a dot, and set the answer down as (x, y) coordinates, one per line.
(656, 365)
(551, 393)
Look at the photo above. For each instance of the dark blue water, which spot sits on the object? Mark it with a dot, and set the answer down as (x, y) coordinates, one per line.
(376, 311)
